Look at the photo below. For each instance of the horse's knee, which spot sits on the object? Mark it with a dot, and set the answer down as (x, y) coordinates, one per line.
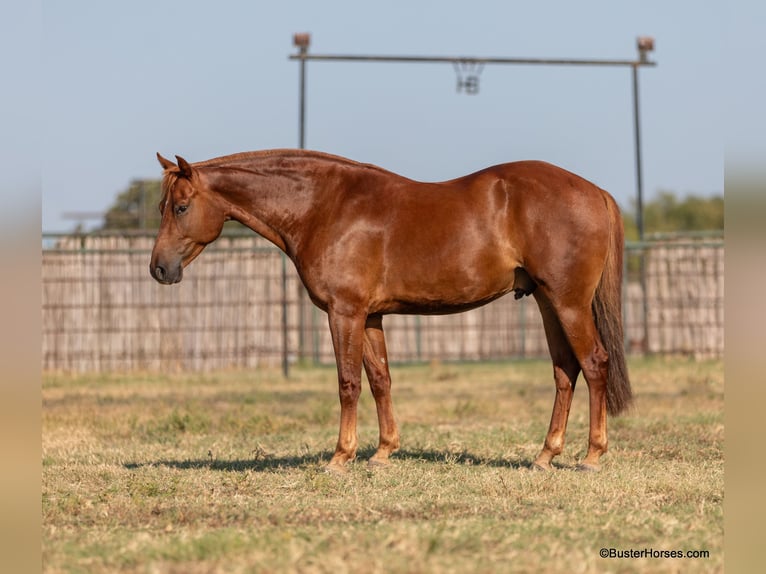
(349, 388)
(349, 398)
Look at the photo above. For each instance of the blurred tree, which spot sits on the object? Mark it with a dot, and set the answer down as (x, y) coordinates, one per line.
(136, 207)
(667, 214)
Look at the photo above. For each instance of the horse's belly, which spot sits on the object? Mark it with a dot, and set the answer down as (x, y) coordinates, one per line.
(436, 307)
(438, 293)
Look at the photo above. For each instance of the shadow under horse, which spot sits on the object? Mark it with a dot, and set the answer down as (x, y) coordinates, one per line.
(367, 242)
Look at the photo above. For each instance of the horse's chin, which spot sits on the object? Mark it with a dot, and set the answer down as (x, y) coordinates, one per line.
(191, 256)
(177, 278)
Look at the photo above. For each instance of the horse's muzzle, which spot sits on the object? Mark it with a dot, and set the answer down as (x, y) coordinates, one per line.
(166, 276)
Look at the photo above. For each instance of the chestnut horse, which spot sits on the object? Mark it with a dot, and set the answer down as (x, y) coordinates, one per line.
(367, 242)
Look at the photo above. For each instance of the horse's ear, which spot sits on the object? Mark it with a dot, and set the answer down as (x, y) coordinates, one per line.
(183, 165)
(165, 163)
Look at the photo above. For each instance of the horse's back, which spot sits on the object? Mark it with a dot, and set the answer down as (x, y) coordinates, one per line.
(414, 247)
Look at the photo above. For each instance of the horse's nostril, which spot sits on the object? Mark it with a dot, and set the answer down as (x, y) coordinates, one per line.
(159, 272)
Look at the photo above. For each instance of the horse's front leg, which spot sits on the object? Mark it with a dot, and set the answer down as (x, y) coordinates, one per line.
(375, 361)
(347, 338)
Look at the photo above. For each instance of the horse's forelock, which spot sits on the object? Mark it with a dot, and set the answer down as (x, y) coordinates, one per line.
(168, 182)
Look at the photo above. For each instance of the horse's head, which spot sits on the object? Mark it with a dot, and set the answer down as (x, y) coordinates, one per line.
(192, 217)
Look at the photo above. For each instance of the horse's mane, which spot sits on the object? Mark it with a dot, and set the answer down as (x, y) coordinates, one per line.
(264, 156)
(260, 161)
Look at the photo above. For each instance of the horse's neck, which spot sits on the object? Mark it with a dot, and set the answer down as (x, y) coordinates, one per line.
(274, 205)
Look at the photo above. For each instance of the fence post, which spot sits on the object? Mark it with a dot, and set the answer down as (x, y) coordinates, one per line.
(523, 327)
(418, 339)
(315, 335)
(624, 298)
(644, 301)
(285, 349)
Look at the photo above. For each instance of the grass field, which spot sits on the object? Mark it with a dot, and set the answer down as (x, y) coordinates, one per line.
(223, 473)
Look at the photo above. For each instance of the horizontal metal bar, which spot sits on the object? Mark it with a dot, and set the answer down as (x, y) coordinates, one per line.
(471, 59)
(713, 234)
(234, 232)
(266, 250)
(141, 251)
(632, 246)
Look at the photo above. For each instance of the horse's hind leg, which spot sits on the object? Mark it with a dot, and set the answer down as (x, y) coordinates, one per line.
(580, 328)
(565, 371)
(375, 361)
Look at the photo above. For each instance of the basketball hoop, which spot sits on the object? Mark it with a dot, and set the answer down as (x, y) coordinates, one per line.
(468, 73)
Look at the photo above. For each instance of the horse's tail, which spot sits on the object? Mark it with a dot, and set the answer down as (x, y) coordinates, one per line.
(607, 312)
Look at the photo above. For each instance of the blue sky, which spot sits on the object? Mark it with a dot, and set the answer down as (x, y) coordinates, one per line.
(122, 81)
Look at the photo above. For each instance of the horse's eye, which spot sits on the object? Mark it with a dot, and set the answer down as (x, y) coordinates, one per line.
(181, 209)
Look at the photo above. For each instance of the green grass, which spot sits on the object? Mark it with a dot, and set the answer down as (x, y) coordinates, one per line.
(224, 473)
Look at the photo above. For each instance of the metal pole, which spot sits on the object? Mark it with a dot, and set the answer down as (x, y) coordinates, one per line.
(644, 45)
(467, 60)
(285, 346)
(637, 145)
(523, 328)
(302, 41)
(302, 135)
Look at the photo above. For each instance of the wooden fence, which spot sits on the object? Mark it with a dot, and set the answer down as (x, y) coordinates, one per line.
(102, 311)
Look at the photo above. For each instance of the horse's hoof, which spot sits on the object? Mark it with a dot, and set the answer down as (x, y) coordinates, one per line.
(541, 467)
(585, 467)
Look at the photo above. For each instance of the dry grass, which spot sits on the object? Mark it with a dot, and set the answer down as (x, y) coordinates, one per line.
(224, 474)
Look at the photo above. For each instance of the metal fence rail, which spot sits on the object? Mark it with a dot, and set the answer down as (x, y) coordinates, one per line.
(102, 312)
